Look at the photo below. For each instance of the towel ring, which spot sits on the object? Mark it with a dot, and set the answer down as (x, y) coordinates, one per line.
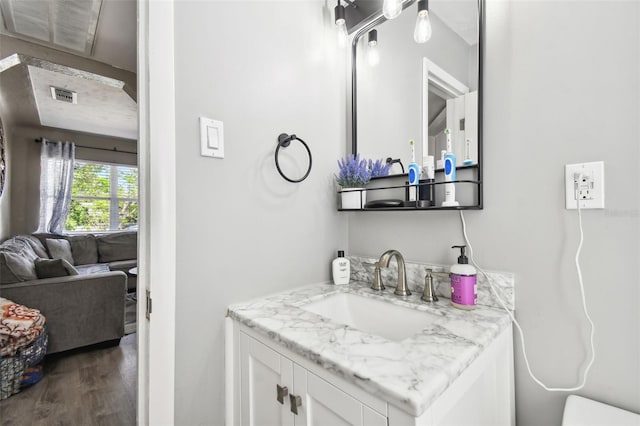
(284, 140)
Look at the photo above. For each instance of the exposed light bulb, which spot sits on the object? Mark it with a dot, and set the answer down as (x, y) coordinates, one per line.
(373, 55)
(422, 33)
(341, 23)
(391, 8)
(342, 33)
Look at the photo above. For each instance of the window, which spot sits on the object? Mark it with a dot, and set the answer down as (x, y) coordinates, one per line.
(104, 197)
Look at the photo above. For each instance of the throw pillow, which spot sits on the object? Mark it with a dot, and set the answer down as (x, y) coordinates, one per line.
(6, 275)
(20, 266)
(53, 268)
(60, 249)
(71, 270)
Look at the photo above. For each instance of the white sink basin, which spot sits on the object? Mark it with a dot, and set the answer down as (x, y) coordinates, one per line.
(373, 316)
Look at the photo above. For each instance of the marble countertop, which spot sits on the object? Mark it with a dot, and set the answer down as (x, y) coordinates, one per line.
(411, 373)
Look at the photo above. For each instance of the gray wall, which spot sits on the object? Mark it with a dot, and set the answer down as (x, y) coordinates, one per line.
(562, 86)
(263, 68)
(20, 206)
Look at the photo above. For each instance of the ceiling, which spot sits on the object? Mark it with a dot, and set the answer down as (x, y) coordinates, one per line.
(99, 30)
(102, 30)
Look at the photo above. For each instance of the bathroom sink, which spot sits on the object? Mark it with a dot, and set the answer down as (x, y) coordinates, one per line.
(373, 316)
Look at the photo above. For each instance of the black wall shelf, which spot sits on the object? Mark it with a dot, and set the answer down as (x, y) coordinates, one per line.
(404, 190)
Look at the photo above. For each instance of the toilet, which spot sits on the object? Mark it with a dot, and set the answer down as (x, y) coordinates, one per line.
(579, 411)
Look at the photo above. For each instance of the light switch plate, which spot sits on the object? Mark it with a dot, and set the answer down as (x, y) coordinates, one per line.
(590, 189)
(211, 138)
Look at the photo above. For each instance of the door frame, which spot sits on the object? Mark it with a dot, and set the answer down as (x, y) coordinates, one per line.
(157, 224)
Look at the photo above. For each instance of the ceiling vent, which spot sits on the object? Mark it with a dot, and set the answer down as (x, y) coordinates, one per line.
(67, 24)
(64, 95)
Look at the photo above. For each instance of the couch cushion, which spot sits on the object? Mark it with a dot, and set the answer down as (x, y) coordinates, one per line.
(22, 267)
(60, 249)
(17, 245)
(53, 268)
(84, 249)
(44, 236)
(35, 244)
(16, 261)
(120, 246)
(6, 275)
(95, 268)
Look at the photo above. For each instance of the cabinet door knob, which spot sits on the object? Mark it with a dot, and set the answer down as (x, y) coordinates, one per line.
(282, 391)
(296, 402)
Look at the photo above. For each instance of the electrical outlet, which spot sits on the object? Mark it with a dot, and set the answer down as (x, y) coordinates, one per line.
(584, 184)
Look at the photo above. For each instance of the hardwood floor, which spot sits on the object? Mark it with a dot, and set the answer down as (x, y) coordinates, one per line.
(91, 387)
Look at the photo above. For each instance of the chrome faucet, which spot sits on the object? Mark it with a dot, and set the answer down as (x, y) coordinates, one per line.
(401, 286)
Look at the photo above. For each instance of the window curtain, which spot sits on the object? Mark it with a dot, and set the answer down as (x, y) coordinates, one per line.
(56, 179)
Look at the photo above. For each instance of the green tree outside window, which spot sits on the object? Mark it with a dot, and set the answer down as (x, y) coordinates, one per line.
(104, 197)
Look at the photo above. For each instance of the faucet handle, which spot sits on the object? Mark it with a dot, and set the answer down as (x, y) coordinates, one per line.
(436, 274)
(377, 277)
(429, 294)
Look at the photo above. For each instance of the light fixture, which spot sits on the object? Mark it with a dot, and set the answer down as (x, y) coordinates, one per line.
(391, 8)
(341, 24)
(373, 55)
(422, 33)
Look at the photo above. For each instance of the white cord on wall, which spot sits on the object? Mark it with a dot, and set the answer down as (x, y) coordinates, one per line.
(513, 318)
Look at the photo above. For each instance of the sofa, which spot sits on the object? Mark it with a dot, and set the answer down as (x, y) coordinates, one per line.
(84, 304)
(93, 252)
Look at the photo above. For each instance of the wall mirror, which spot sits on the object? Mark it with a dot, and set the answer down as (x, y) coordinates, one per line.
(403, 90)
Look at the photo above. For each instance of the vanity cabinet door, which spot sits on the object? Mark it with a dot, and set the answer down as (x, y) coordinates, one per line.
(326, 405)
(317, 402)
(262, 370)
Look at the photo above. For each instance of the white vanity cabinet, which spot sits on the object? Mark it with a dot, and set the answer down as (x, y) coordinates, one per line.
(262, 372)
(258, 369)
(276, 391)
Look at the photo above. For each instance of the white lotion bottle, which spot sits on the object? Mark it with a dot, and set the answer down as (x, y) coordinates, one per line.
(341, 269)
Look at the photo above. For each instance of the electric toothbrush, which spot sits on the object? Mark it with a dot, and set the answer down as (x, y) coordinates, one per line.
(414, 174)
(467, 153)
(449, 174)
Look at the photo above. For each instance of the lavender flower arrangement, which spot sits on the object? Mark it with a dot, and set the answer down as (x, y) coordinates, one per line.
(379, 168)
(354, 172)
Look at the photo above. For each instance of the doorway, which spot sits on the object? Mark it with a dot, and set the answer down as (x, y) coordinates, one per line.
(102, 121)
